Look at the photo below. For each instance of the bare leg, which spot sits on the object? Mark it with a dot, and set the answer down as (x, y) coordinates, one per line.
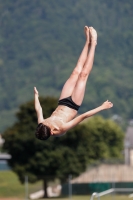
(79, 90)
(71, 82)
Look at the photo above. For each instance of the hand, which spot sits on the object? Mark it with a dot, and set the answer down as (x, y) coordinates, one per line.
(107, 104)
(36, 92)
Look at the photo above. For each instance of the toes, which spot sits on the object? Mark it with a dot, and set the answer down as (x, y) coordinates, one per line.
(86, 28)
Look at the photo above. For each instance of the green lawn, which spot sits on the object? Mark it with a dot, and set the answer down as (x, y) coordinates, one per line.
(109, 197)
(11, 187)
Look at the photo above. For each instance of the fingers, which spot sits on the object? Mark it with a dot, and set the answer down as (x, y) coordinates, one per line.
(108, 104)
(35, 90)
(111, 104)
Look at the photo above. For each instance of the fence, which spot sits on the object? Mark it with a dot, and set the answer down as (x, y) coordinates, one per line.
(89, 188)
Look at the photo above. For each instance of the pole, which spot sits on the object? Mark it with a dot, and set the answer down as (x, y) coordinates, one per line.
(70, 187)
(26, 187)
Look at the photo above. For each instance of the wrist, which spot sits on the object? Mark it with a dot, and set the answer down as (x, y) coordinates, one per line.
(36, 95)
(102, 107)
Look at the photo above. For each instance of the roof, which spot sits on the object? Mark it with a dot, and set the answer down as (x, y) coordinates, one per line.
(106, 173)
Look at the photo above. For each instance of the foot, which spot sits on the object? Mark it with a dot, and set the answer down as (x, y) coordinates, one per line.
(87, 33)
(93, 35)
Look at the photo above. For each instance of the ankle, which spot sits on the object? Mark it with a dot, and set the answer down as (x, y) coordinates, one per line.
(88, 42)
(93, 42)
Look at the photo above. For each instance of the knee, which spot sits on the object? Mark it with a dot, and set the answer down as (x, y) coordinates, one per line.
(83, 75)
(76, 72)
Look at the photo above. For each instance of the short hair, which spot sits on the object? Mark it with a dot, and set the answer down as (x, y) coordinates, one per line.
(42, 132)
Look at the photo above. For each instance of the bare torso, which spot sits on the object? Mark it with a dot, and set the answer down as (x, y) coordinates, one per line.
(61, 115)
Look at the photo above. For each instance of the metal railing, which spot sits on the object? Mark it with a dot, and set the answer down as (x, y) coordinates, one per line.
(95, 195)
(98, 195)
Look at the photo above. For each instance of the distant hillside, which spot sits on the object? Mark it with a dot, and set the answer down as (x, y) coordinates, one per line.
(40, 42)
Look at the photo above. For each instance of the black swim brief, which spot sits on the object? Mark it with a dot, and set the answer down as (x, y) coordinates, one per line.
(69, 103)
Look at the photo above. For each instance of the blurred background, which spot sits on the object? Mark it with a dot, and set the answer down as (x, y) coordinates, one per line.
(40, 42)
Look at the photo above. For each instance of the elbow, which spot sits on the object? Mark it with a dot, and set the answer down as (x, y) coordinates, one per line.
(83, 117)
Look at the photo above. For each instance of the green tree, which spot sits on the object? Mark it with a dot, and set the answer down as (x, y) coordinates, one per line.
(58, 157)
(107, 138)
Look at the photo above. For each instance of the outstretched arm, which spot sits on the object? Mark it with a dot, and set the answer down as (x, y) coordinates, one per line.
(38, 107)
(80, 118)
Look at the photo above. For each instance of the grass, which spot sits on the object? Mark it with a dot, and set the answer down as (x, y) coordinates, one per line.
(10, 185)
(87, 197)
(11, 188)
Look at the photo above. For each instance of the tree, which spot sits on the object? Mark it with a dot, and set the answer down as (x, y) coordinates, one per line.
(107, 138)
(58, 157)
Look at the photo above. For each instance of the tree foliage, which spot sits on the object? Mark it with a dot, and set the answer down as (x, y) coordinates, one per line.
(58, 157)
